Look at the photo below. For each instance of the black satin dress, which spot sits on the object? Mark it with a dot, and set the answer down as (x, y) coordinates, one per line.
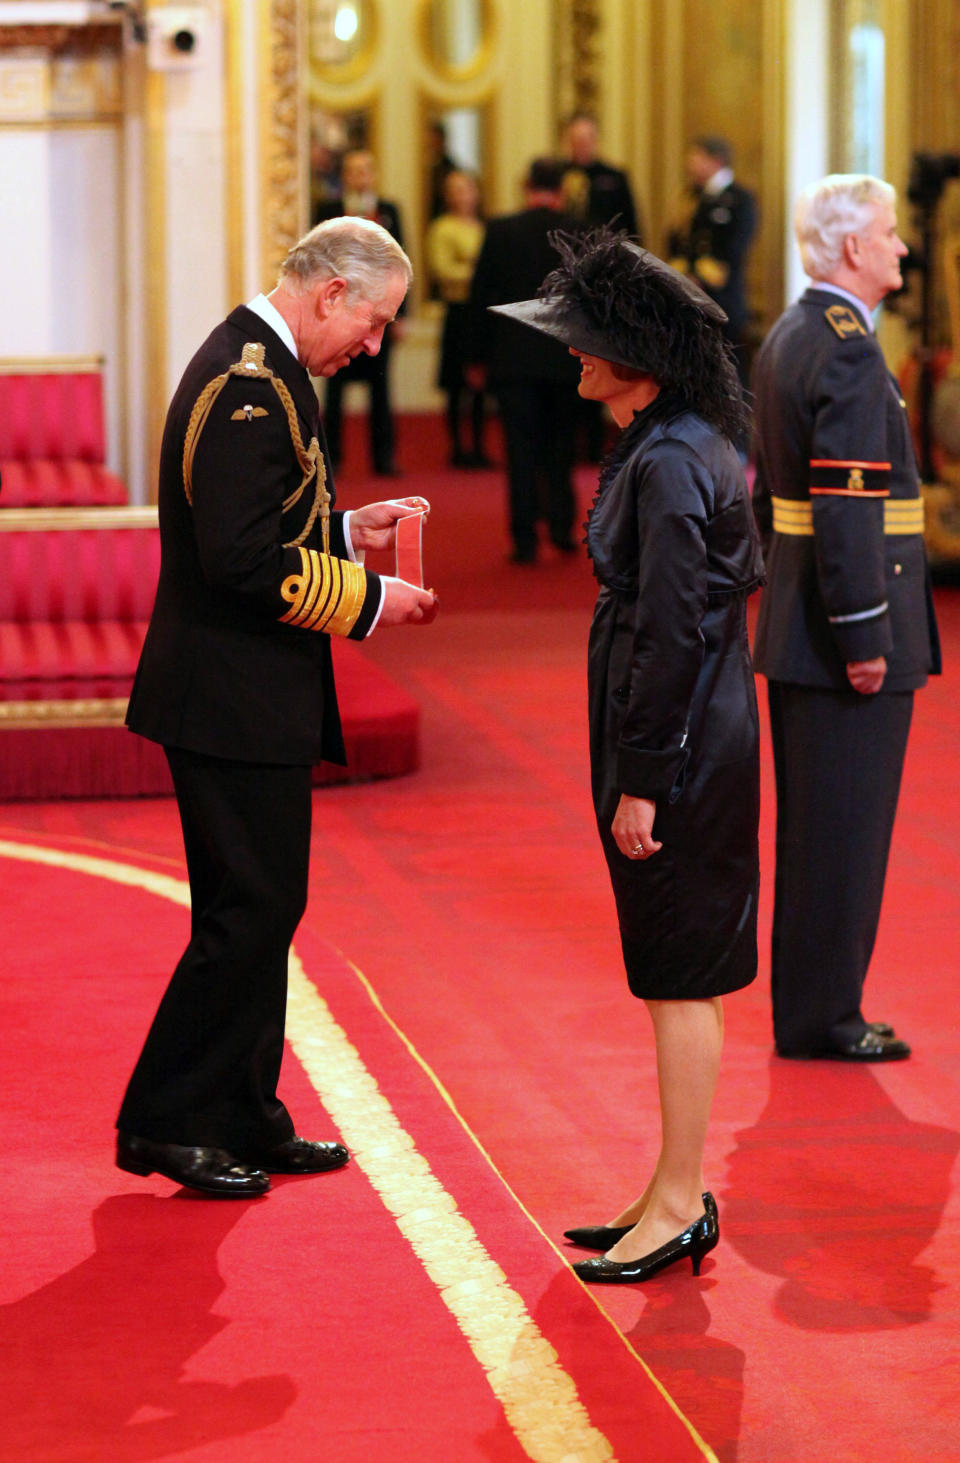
(672, 703)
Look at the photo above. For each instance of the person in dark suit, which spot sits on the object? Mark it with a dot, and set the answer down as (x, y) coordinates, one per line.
(713, 242)
(533, 380)
(846, 631)
(594, 191)
(235, 682)
(597, 194)
(360, 199)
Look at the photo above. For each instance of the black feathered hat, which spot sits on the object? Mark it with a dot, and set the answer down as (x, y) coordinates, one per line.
(612, 299)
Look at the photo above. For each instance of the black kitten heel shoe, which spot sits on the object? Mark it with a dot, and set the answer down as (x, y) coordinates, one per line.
(697, 1240)
(597, 1236)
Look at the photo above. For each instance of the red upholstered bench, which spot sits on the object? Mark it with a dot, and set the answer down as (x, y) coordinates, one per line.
(52, 444)
(76, 591)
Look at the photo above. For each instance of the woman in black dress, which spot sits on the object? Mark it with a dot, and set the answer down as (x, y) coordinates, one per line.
(673, 714)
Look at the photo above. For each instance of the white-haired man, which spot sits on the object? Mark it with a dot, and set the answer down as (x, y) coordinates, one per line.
(846, 631)
(235, 682)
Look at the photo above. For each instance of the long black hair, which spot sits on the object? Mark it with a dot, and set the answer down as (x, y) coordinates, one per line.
(655, 319)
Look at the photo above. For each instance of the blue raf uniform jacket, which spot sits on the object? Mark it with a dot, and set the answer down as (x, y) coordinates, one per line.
(838, 505)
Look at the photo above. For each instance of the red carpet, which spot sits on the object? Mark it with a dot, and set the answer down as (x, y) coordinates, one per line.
(315, 1325)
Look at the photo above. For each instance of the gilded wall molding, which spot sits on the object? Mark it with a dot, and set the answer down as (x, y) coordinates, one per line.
(578, 52)
(283, 187)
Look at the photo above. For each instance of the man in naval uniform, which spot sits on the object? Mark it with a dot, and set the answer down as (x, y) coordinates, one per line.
(361, 199)
(846, 631)
(714, 242)
(594, 191)
(235, 682)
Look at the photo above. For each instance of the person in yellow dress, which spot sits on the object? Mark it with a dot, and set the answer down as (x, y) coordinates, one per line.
(453, 243)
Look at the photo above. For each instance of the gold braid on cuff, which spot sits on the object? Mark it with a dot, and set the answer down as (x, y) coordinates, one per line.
(327, 594)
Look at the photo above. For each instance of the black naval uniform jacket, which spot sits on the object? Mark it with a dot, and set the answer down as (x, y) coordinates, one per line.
(597, 193)
(838, 505)
(721, 229)
(672, 701)
(236, 661)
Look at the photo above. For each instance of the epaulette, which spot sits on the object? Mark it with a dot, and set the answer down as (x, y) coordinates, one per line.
(252, 364)
(845, 322)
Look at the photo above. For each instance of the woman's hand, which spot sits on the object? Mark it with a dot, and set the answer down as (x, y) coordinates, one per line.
(632, 827)
(373, 527)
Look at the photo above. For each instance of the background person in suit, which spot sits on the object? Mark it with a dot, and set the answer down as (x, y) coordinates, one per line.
(235, 682)
(453, 243)
(361, 200)
(533, 379)
(594, 191)
(713, 242)
(846, 631)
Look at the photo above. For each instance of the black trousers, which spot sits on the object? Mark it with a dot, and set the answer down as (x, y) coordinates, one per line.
(374, 370)
(838, 758)
(208, 1071)
(539, 427)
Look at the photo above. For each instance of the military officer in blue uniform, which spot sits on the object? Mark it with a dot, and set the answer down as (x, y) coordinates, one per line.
(846, 631)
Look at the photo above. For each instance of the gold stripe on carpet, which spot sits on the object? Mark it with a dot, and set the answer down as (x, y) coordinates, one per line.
(539, 1398)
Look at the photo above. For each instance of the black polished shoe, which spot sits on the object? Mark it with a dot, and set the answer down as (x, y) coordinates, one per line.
(210, 1170)
(597, 1236)
(870, 1048)
(697, 1240)
(300, 1155)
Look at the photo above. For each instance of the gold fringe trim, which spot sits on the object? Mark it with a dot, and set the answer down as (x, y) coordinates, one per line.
(310, 459)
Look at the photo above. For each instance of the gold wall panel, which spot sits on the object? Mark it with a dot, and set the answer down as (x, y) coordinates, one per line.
(718, 69)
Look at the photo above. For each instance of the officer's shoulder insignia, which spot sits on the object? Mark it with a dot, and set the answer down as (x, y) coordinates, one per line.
(247, 413)
(844, 321)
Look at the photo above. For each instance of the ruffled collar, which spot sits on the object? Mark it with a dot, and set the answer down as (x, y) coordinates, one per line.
(664, 405)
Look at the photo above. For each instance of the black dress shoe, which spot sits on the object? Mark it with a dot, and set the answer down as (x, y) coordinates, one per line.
(597, 1236)
(870, 1048)
(210, 1170)
(697, 1240)
(300, 1155)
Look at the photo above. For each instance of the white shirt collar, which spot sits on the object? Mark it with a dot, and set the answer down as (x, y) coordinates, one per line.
(261, 306)
(719, 180)
(821, 284)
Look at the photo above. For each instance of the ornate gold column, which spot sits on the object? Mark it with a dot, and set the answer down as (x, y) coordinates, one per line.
(282, 131)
